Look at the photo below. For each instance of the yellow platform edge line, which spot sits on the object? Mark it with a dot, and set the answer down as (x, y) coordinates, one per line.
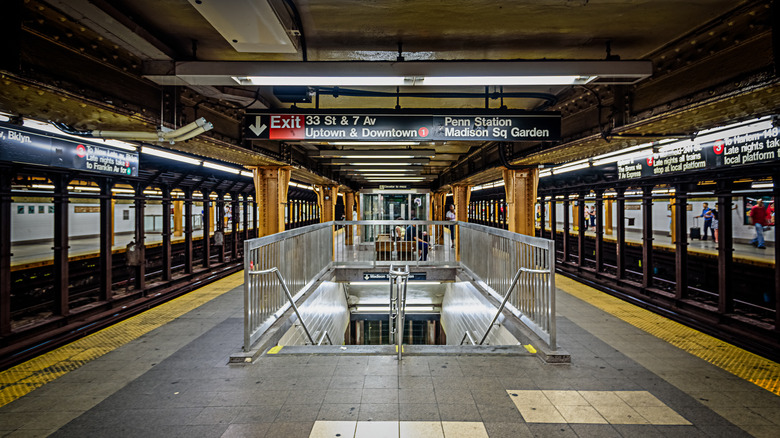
(741, 363)
(17, 381)
(275, 349)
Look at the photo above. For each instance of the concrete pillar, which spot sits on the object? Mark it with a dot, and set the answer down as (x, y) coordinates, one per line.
(439, 211)
(460, 197)
(349, 204)
(326, 200)
(520, 187)
(271, 184)
(608, 215)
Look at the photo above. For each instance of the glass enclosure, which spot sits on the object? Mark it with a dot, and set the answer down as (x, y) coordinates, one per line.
(392, 205)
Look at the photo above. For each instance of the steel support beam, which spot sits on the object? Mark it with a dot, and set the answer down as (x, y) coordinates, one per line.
(542, 210)
(726, 251)
(235, 219)
(553, 219)
(5, 251)
(679, 216)
(167, 263)
(206, 231)
(140, 236)
(61, 279)
(566, 245)
(620, 244)
(599, 230)
(647, 237)
(220, 225)
(106, 240)
(581, 230)
(188, 267)
(520, 187)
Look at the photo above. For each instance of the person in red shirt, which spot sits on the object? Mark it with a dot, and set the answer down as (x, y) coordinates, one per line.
(758, 218)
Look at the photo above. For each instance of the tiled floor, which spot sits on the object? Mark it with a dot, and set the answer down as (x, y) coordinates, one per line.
(175, 381)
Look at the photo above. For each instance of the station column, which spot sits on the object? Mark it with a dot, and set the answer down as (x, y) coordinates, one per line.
(349, 204)
(460, 197)
(326, 198)
(271, 185)
(520, 187)
(439, 211)
(5, 252)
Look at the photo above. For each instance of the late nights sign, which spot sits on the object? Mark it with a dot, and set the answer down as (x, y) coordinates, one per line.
(744, 148)
(404, 126)
(25, 145)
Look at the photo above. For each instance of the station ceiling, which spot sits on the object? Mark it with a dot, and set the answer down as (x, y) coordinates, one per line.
(83, 63)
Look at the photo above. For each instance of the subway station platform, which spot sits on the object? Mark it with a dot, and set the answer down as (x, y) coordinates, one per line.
(165, 373)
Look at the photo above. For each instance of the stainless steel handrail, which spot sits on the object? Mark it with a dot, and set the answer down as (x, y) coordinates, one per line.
(322, 338)
(507, 295)
(398, 303)
(289, 297)
(467, 335)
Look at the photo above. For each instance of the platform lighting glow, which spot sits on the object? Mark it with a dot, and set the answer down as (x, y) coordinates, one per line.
(490, 185)
(623, 151)
(545, 173)
(121, 190)
(338, 81)
(43, 186)
(383, 170)
(391, 179)
(300, 186)
(84, 188)
(559, 170)
(247, 173)
(378, 156)
(630, 156)
(766, 185)
(721, 132)
(170, 155)
(216, 166)
(380, 164)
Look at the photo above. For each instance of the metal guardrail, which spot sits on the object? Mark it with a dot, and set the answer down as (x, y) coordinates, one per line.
(383, 243)
(490, 255)
(275, 270)
(493, 255)
(398, 283)
(302, 255)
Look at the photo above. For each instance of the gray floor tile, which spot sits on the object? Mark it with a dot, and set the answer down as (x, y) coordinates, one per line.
(416, 396)
(339, 412)
(257, 414)
(352, 396)
(246, 430)
(382, 381)
(595, 431)
(454, 396)
(507, 430)
(378, 412)
(290, 430)
(217, 415)
(418, 412)
(551, 430)
(303, 396)
(499, 413)
(459, 412)
(294, 413)
(377, 395)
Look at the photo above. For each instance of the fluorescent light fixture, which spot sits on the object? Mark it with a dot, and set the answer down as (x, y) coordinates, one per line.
(216, 166)
(504, 80)
(43, 186)
(383, 170)
(121, 190)
(623, 151)
(559, 170)
(170, 155)
(84, 188)
(152, 192)
(373, 161)
(322, 81)
(630, 156)
(394, 179)
(300, 186)
(374, 143)
(490, 185)
(247, 173)
(545, 173)
(767, 185)
(47, 127)
(379, 154)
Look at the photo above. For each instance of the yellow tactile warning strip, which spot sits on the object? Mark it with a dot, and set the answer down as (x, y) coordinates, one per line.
(22, 379)
(594, 407)
(396, 429)
(275, 349)
(748, 366)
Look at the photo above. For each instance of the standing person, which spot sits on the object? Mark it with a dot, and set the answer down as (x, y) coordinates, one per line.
(770, 213)
(758, 218)
(450, 216)
(706, 213)
(715, 223)
(593, 217)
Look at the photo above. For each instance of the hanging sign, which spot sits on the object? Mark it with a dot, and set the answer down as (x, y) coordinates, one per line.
(384, 276)
(466, 125)
(25, 145)
(744, 148)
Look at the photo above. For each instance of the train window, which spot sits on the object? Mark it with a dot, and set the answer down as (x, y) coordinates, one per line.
(41, 209)
(20, 209)
(51, 209)
(31, 209)
(126, 215)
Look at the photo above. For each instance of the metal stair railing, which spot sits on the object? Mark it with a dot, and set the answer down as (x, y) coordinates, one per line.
(399, 279)
(289, 297)
(470, 338)
(507, 295)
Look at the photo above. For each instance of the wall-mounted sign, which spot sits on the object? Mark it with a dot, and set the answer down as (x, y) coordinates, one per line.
(384, 276)
(395, 187)
(25, 145)
(478, 125)
(743, 148)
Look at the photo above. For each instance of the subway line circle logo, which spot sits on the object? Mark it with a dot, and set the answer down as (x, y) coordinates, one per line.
(650, 161)
(423, 132)
(81, 151)
(718, 147)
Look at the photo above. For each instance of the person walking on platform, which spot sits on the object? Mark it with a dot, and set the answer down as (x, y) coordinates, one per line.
(715, 223)
(450, 216)
(706, 213)
(758, 218)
